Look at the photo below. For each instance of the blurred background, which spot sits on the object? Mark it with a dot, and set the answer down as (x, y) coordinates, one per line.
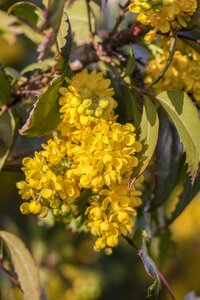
(69, 268)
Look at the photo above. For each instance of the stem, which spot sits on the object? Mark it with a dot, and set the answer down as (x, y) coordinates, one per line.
(166, 284)
(89, 19)
(161, 276)
(120, 18)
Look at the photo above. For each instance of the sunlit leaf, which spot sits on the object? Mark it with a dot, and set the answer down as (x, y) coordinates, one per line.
(64, 42)
(44, 116)
(24, 266)
(26, 12)
(185, 117)
(149, 127)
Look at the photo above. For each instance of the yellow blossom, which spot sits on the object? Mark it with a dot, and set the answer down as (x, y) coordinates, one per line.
(48, 184)
(112, 213)
(107, 154)
(164, 14)
(87, 97)
(183, 73)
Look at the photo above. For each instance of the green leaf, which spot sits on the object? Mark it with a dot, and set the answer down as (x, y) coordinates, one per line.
(24, 266)
(130, 64)
(172, 50)
(55, 14)
(169, 161)
(185, 117)
(191, 35)
(189, 192)
(8, 125)
(4, 88)
(149, 127)
(26, 12)
(77, 14)
(151, 270)
(64, 38)
(127, 109)
(44, 116)
(43, 66)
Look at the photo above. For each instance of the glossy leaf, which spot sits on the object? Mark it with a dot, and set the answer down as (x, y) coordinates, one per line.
(4, 88)
(185, 117)
(8, 125)
(169, 161)
(64, 38)
(24, 266)
(44, 116)
(149, 127)
(189, 191)
(27, 12)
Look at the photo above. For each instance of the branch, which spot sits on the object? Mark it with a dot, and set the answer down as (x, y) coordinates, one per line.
(92, 53)
(161, 276)
(120, 18)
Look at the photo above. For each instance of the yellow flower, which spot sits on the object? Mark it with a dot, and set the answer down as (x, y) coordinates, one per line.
(112, 213)
(107, 154)
(48, 184)
(183, 73)
(88, 97)
(164, 14)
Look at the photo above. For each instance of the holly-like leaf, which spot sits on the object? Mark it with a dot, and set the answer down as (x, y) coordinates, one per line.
(8, 125)
(149, 127)
(44, 116)
(151, 270)
(64, 38)
(169, 161)
(185, 117)
(24, 266)
(26, 12)
(187, 193)
(4, 88)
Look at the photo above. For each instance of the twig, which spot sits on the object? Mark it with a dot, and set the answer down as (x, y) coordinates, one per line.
(89, 19)
(10, 275)
(120, 18)
(161, 276)
(166, 284)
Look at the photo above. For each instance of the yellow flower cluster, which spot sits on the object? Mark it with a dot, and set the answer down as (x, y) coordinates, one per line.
(164, 14)
(49, 182)
(93, 152)
(112, 213)
(183, 73)
(87, 98)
